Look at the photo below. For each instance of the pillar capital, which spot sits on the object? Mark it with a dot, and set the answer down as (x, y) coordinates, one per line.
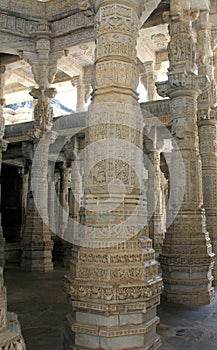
(36, 93)
(183, 84)
(44, 68)
(43, 62)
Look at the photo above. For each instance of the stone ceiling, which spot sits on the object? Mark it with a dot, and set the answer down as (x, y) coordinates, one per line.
(152, 43)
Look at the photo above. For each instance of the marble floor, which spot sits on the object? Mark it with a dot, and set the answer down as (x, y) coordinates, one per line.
(41, 305)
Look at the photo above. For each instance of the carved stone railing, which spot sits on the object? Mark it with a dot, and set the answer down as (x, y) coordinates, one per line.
(63, 125)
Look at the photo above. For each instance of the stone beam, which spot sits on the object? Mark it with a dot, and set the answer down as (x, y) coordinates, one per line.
(69, 66)
(81, 36)
(144, 52)
(149, 7)
(12, 44)
(22, 77)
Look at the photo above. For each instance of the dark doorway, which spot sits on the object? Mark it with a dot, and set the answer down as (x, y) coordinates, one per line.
(11, 203)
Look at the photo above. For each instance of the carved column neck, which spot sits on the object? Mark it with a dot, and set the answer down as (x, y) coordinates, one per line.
(182, 51)
(116, 74)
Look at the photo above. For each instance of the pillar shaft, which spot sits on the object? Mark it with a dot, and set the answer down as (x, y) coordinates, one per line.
(3, 146)
(52, 196)
(36, 241)
(154, 200)
(64, 205)
(148, 79)
(187, 257)
(207, 123)
(116, 286)
(77, 81)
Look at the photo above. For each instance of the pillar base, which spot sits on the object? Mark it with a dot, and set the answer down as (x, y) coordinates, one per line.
(197, 298)
(36, 245)
(37, 257)
(187, 260)
(11, 337)
(187, 285)
(122, 332)
(114, 295)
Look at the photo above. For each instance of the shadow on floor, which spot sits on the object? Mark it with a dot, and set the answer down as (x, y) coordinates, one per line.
(41, 305)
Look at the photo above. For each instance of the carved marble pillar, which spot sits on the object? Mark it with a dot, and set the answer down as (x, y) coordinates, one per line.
(116, 286)
(77, 81)
(64, 204)
(25, 190)
(207, 123)
(187, 258)
(75, 205)
(76, 189)
(154, 197)
(36, 241)
(52, 210)
(148, 79)
(215, 64)
(64, 210)
(3, 146)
